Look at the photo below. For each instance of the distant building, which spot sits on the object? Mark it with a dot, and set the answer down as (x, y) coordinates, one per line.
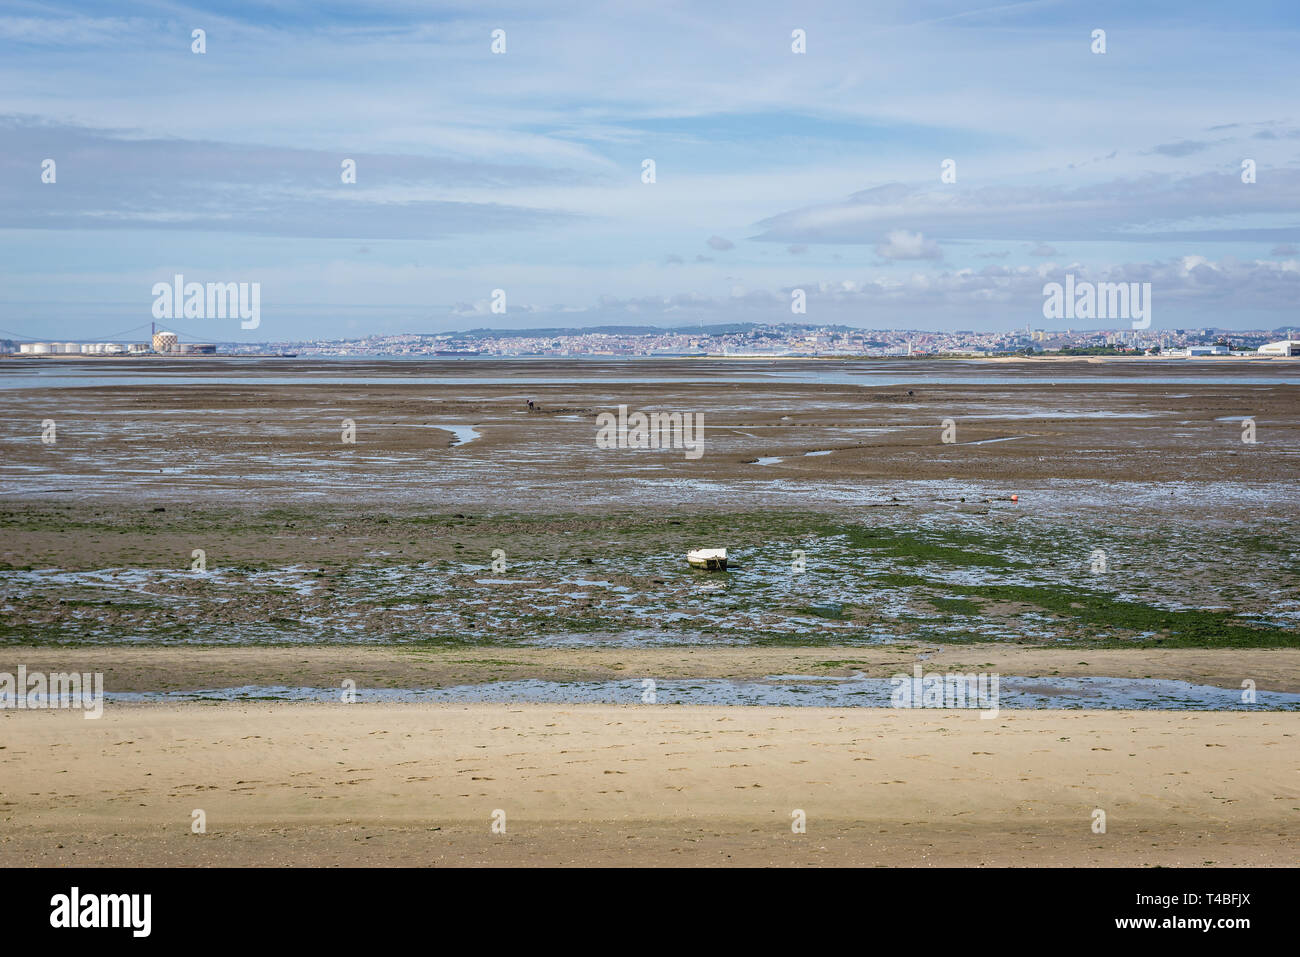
(1287, 347)
(165, 341)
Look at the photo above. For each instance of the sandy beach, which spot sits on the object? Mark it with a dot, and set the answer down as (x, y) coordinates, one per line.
(637, 785)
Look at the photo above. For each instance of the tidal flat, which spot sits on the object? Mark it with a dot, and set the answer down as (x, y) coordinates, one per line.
(328, 575)
(353, 652)
(365, 503)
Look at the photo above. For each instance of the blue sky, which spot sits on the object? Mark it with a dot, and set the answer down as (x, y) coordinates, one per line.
(522, 171)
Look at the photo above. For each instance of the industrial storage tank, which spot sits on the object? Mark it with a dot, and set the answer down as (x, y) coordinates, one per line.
(165, 341)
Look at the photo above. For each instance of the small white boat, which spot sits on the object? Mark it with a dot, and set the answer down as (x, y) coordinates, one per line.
(714, 559)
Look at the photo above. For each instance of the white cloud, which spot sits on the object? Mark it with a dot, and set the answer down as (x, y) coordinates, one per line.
(900, 244)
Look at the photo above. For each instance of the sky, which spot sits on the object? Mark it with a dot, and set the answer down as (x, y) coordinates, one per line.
(524, 171)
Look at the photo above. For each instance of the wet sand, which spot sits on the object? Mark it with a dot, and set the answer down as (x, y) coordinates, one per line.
(635, 785)
(154, 669)
(1100, 437)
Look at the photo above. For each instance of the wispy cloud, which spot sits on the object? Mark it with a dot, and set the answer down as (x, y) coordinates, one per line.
(1150, 208)
(111, 179)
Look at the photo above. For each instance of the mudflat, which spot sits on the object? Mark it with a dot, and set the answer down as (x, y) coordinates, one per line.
(268, 431)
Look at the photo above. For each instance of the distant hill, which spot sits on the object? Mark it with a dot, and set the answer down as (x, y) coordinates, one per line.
(721, 329)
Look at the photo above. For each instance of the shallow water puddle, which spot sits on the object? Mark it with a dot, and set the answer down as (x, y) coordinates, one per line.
(1018, 693)
(461, 434)
(1005, 438)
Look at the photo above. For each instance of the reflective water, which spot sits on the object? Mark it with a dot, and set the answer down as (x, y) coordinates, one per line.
(1094, 693)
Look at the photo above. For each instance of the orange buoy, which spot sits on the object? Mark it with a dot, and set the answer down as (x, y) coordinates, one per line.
(1015, 498)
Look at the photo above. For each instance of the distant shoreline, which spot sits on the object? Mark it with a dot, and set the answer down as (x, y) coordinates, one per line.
(939, 357)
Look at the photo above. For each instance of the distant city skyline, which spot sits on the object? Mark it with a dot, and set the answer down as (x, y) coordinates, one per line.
(690, 331)
(928, 163)
(787, 339)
